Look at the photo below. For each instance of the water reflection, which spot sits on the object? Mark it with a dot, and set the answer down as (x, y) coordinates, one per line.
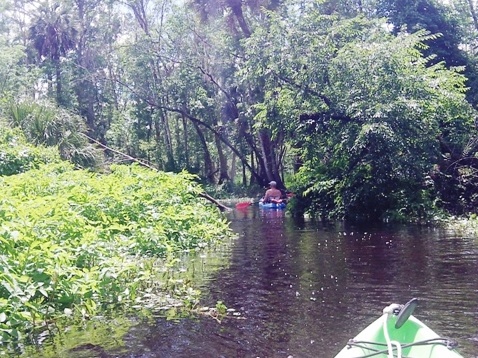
(304, 288)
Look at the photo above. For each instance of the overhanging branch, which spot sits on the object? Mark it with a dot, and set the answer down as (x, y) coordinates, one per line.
(143, 163)
(154, 104)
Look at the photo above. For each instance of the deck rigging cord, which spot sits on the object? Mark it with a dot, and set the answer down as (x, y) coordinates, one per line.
(432, 341)
(393, 347)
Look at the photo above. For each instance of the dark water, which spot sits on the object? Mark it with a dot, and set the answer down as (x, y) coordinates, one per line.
(303, 289)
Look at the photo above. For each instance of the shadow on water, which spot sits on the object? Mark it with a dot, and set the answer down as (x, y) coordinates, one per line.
(303, 289)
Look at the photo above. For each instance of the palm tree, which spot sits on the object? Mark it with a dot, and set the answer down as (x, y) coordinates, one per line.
(53, 35)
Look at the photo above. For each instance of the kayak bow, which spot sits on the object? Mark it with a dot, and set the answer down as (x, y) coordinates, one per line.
(397, 334)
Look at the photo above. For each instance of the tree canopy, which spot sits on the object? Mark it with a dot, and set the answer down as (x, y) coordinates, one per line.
(364, 109)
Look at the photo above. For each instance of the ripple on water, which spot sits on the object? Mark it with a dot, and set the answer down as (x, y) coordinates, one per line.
(303, 289)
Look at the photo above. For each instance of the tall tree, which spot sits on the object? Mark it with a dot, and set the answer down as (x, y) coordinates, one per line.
(15, 81)
(433, 17)
(267, 149)
(98, 29)
(53, 35)
(465, 11)
(362, 108)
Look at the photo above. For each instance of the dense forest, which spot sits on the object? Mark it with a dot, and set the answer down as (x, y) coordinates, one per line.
(366, 109)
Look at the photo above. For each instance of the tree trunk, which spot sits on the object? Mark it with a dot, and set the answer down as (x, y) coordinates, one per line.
(223, 175)
(236, 8)
(85, 89)
(170, 162)
(186, 141)
(140, 14)
(232, 174)
(59, 94)
(268, 160)
(208, 164)
(473, 13)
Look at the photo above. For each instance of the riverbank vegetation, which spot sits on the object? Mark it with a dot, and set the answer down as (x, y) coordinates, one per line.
(365, 110)
(75, 243)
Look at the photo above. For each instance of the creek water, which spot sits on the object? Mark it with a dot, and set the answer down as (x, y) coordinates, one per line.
(303, 288)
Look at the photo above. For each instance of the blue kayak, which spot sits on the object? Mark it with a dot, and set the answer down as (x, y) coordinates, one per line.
(272, 205)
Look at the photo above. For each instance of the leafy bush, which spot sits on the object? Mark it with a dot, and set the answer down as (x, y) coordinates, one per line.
(45, 124)
(75, 242)
(17, 156)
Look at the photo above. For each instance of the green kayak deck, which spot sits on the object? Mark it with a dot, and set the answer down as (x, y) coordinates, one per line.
(396, 335)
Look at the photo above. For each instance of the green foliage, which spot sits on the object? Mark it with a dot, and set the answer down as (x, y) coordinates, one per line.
(431, 16)
(74, 243)
(44, 124)
(438, 18)
(363, 109)
(232, 97)
(17, 156)
(11, 75)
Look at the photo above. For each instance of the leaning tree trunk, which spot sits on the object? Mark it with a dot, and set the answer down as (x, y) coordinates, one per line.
(164, 138)
(223, 174)
(208, 164)
(268, 158)
(236, 8)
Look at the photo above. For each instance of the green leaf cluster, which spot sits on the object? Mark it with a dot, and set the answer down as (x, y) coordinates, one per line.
(44, 124)
(363, 110)
(75, 242)
(18, 156)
